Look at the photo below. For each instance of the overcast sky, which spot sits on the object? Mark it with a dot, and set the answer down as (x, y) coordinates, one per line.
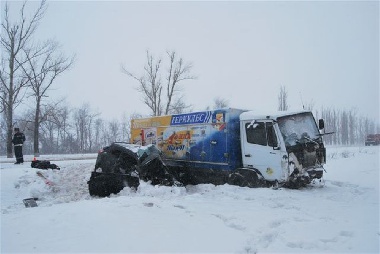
(322, 52)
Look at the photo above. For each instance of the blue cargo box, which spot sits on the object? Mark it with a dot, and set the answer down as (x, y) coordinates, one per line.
(206, 139)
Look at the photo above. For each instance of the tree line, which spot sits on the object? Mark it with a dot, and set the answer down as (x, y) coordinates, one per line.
(349, 128)
(69, 130)
(83, 130)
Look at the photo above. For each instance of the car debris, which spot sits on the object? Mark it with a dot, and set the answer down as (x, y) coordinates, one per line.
(122, 165)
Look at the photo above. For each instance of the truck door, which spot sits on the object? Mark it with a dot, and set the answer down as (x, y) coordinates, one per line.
(260, 149)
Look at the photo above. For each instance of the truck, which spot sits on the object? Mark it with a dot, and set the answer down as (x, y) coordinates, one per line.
(236, 146)
(372, 140)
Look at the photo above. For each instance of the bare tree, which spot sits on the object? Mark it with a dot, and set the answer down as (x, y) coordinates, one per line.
(124, 125)
(3, 136)
(43, 65)
(283, 99)
(97, 135)
(114, 130)
(14, 38)
(179, 106)
(62, 119)
(84, 119)
(47, 131)
(52, 128)
(353, 125)
(220, 103)
(151, 85)
(309, 105)
(178, 71)
(344, 128)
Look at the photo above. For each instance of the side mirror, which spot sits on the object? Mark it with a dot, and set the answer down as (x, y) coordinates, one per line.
(321, 124)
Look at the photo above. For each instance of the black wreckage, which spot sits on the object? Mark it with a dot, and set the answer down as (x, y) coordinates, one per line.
(123, 165)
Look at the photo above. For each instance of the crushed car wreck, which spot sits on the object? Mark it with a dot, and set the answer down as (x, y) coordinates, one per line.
(121, 164)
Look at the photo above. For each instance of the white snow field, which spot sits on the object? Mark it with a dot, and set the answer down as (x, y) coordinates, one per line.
(342, 216)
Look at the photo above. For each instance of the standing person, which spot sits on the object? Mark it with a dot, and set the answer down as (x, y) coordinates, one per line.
(18, 140)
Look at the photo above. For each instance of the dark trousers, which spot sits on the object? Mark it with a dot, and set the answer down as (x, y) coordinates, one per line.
(18, 154)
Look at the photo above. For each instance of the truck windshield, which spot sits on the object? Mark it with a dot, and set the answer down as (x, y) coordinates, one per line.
(299, 128)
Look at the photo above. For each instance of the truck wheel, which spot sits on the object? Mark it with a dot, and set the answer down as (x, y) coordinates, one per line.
(251, 178)
(235, 179)
(244, 178)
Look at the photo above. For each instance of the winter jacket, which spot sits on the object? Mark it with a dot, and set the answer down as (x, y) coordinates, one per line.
(18, 138)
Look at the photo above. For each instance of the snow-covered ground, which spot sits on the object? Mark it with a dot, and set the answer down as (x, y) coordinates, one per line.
(342, 216)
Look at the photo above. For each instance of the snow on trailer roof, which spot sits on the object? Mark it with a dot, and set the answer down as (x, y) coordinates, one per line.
(259, 115)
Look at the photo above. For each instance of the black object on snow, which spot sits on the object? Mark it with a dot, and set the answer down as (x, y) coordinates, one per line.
(30, 202)
(122, 164)
(153, 169)
(43, 164)
(105, 184)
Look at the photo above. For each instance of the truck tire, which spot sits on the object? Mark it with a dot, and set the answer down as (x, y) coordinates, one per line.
(244, 178)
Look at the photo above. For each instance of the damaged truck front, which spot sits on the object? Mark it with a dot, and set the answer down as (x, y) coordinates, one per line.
(237, 147)
(285, 148)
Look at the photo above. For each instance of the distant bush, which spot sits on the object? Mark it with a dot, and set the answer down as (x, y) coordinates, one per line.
(333, 155)
(347, 154)
(366, 150)
(343, 154)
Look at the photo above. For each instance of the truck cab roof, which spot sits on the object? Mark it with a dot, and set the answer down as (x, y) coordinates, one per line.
(257, 115)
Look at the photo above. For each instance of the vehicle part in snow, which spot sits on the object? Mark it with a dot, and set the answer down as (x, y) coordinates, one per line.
(189, 175)
(315, 173)
(245, 177)
(119, 157)
(318, 182)
(297, 180)
(105, 184)
(123, 158)
(46, 180)
(43, 164)
(153, 169)
(30, 202)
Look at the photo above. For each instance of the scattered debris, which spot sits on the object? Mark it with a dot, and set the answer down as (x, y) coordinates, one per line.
(47, 181)
(30, 202)
(43, 164)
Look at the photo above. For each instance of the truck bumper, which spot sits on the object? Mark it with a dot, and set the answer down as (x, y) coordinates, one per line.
(315, 173)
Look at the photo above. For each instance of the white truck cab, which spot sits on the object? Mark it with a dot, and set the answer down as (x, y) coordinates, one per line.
(285, 147)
